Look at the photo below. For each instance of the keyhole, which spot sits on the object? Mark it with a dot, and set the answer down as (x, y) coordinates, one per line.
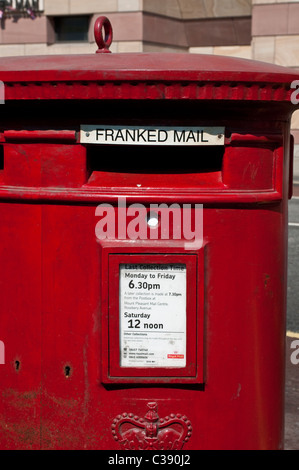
(67, 371)
(17, 365)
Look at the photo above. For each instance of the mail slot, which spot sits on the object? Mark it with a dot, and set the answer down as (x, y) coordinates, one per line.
(143, 206)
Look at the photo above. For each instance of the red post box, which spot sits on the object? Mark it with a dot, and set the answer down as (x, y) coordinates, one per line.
(143, 251)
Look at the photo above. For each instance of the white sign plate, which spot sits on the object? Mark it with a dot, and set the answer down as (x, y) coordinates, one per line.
(135, 135)
(152, 315)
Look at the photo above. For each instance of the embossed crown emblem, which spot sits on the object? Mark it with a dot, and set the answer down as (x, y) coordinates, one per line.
(151, 432)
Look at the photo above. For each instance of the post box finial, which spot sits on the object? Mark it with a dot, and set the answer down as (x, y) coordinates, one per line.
(103, 34)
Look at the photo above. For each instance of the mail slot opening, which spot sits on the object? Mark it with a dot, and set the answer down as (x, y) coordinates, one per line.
(139, 165)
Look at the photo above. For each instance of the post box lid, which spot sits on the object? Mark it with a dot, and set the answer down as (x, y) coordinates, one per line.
(144, 75)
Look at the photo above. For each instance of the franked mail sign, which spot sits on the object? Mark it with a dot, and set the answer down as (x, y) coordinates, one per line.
(152, 315)
(135, 135)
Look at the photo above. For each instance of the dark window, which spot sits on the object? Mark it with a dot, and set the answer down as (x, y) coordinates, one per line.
(71, 28)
